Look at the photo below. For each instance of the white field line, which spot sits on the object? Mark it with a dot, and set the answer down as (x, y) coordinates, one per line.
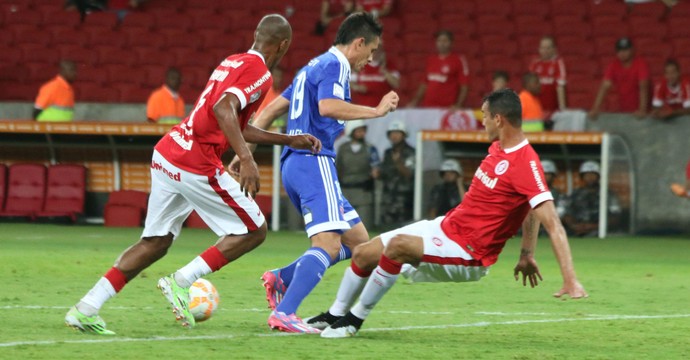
(404, 328)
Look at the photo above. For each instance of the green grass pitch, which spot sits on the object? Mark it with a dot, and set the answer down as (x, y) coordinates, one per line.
(639, 304)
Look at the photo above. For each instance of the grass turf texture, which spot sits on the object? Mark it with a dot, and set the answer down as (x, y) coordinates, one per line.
(638, 305)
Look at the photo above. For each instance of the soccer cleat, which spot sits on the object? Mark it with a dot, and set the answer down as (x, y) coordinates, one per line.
(322, 321)
(86, 324)
(178, 297)
(347, 326)
(275, 288)
(289, 323)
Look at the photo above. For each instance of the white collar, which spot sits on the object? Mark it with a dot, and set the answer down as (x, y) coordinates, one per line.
(254, 52)
(517, 147)
(341, 57)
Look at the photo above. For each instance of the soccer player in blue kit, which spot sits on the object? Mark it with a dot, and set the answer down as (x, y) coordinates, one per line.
(318, 103)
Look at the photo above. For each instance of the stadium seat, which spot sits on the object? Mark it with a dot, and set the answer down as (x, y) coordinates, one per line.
(63, 35)
(532, 25)
(493, 24)
(567, 7)
(571, 26)
(216, 22)
(265, 203)
(132, 93)
(144, 39)
(605, 46)
(498, 45)
(103, 20)
(177, 39)
(647, 27)
(26, 188)
(138, 20)
(430, 8)
(651, 46)
(148, 56)
(107, 37)
(392, 27)
(110, 55)
(501, 8)
(466, 8)
(678, 28)
(419, 23)
(607, 8)
(3, 185)
(416, 43)
(574, 46)
(93, 73)
(609, 27)
(171, 19)
(33, 53)
(538, 8)
(583, 100)
(77, 54)
(582, 65)
(650, 10)
(125, 208)
(528, 44)
(681, 47)
(23, 16)
(195, 221)
(96, 92)
(33, 36)
(463, 28)
(65, 192)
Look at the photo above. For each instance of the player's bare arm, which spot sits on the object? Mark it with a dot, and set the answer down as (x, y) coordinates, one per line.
(256, 135)
(546, 214)
(342, 110)
(226, 112)
(527, 265)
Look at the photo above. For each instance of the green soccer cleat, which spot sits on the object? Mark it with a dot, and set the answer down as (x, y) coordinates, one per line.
(86, 324)
(178, 297)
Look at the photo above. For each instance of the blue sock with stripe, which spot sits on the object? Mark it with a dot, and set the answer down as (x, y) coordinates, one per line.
(287, 273)
(308, 271)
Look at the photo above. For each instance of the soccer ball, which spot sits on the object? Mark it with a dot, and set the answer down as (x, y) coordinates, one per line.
(203, 299)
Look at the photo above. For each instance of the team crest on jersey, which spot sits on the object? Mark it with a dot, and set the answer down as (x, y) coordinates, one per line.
(255, 96)
(437, 241)
(501, 167)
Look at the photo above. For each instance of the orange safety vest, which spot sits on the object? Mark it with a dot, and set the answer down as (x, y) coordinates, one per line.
(56, 99)
(165, 106)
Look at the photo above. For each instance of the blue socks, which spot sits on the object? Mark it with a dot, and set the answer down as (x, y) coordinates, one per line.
(308, 270)
(287, 273)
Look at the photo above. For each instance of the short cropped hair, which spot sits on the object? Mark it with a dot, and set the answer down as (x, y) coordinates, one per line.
(672, 62)
(358, 25)
(507, 103)
(500, 74)
(445, 32)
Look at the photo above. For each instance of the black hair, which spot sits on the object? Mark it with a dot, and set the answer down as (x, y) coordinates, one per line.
(358, 25)
(529, 76)
(447, 33)
(672, 62)
(501, 74)
(507, 103)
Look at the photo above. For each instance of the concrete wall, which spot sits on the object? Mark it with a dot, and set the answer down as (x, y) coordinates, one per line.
(660, 153)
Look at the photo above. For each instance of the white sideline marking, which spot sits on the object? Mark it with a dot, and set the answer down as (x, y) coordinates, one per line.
(404, 328)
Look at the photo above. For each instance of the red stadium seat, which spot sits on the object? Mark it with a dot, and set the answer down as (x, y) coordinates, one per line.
(466, 8)
(498, 45)
(392, 27)
(532, 25)
(501, 8)
(429, 8)
(607, 8)
(582, 66)
(63, 35)
(539, 8)
(26, 188)
(171, 19)
(419, 43)
(132, 93)
(138, 20)
(647, 27)
(65, 193)
(3, 185)
(528, 44)
(651, 46)
(144, 39)
(678, 28)
(176, 38)
(195, 221)
(216, 22)
(566, 25)
(681, 47)
(107, 37)
(109, 55)
(609, 27)
(265, 203)
(419, 23)
(78, 54)
(466, 28)
(148, 56)
(33, 36)
(99, 20)
(650, 10)
(23, 16)
(580, 100)
(567, 7)
(492, 24)
(125, 208)
(34, 53)
(500, 62)
(95, 92)
(93, 73)
(574, 46)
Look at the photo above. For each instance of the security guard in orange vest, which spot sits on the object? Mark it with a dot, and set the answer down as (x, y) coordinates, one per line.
(165, 105)
(55, 100)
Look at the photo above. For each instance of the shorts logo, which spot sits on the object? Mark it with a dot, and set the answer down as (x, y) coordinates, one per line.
(501, 167)
(437, 241)
(158, 166)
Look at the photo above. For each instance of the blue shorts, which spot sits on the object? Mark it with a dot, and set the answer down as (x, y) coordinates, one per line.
(312, 185)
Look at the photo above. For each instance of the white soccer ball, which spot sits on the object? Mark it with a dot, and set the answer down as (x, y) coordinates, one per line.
(203, 299)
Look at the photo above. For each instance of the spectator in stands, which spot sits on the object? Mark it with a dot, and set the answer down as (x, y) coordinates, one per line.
(559, 199)
(629, 74)
(122, 7)
(358, 163)
(397, 174)
(681, 190)
(378, 8)
(671, 93)
(582, 213)
(500, 80)
(55, 100)
(447, 77)
(375, 80)
(331, 10)
(550, 68)
(532, 113)
(449, 193)
(165, 105)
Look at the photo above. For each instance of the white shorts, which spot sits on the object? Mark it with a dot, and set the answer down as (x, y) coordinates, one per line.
(443, 261)
(217, 199)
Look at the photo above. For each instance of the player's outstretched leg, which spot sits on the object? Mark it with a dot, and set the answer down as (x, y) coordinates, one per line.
(347, 326)
(275, 287)
(86, 324)
(289, 323)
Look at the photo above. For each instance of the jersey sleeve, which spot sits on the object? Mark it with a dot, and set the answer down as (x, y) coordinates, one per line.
(331, 82)
(529, 181)
(45, 97)
(287, 93)
(658, 98)
(246, 82)
(560, 72)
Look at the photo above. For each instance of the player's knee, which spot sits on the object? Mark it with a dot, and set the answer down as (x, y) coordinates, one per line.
(259, 235)
(158, 244)
(366, 256)
(397, 248)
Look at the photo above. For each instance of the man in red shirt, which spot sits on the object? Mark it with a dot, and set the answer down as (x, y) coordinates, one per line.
(671, 93)
(447, 77)
(376, 79)
(187, 174)
(508, 191)
(551, 71)
(629, 74)
(377, 8)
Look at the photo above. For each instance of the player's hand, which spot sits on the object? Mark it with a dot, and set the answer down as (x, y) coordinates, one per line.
(249, 177)
(593, 114)
(679, 190)
(388, 103)
(234, 168)
(529, 269)
(574, 290)
(305, 142)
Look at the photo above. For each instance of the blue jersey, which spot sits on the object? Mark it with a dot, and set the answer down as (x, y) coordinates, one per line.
(325, 77)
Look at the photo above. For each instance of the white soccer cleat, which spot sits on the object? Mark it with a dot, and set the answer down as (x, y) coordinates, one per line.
(340, 332)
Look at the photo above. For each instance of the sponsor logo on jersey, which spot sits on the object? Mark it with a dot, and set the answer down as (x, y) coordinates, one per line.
(159, 167)
(219, 75)
(437, 241)
(258, 83)
(231, 63)
(255, 96)
(313, 62)
(485, 179)
(537, 176)
(437, 77)
(501, 167)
